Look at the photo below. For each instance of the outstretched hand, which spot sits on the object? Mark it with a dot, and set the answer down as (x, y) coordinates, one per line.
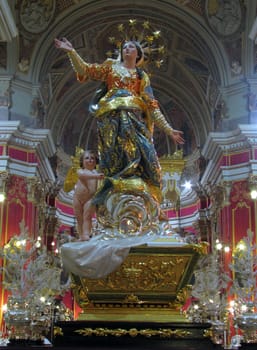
(177, 137)
(63, 44)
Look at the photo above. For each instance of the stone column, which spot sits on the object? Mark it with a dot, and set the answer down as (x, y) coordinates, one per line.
(5, 97)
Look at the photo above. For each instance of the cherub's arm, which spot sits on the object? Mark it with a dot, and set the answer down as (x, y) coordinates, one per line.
(84, 175)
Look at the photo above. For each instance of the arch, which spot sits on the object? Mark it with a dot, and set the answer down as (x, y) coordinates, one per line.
(175, 20)
(174, 16)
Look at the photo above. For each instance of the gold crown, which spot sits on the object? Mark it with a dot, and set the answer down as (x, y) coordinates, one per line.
(143, 33)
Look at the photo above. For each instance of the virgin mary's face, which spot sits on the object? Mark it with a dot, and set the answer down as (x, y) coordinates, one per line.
(129, 50)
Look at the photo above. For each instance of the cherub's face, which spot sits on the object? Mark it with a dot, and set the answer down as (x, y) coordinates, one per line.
(89, 161)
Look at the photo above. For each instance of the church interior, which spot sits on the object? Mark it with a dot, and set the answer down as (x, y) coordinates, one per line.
(204, 76)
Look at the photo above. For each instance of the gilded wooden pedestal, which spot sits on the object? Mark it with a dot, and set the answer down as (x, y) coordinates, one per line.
(138, 305)
(150, 285)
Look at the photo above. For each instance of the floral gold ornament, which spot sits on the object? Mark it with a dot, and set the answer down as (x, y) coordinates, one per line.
(134, 332)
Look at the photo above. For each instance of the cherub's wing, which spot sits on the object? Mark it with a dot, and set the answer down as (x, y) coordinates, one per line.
(72, 175)
(70, 179)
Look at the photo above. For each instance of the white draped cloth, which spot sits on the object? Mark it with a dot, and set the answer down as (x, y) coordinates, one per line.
(99, 256)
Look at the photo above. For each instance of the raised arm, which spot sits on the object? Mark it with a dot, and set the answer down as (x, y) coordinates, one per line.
(63, 44)
(83, 69)
(78, 64)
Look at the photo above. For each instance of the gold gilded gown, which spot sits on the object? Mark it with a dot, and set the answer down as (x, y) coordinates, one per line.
(126, 115)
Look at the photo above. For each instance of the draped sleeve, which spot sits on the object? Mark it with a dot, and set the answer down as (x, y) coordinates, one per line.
(86, 71)
(154, 112)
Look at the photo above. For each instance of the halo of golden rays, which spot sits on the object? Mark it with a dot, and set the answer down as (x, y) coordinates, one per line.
(146, 36)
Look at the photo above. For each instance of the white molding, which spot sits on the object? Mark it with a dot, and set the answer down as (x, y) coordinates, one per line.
(8, 29)
(22, 169)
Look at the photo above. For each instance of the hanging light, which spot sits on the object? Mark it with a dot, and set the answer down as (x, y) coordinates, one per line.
(2, 197)
(253, 194)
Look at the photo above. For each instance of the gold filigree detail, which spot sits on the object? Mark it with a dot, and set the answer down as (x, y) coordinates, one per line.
(58, 331)
(173, 163)
(240, 192)
(208, 333)
(134, 332)
(149, 279)
(176, 155)
(131, 185)
(201, 248)
(16, 188)
(79, 291)
(143, 273)
(132, 299)
(183, 295)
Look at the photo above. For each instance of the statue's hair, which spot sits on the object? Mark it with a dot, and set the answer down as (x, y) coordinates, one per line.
(91, 152)
(140, 52)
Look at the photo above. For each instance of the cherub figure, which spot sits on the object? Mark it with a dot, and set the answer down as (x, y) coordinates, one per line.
(85, 189)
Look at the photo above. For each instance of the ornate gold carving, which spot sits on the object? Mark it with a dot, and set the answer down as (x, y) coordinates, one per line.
(80, 292)
(201, 248)
(150, 280)
(173, 163)
(132, 299)
(144, 273)
(183, 295)
(15, 187)
(58, 331)
(134, 332)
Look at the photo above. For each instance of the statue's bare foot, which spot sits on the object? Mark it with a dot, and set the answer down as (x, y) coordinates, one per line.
(84, 238)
